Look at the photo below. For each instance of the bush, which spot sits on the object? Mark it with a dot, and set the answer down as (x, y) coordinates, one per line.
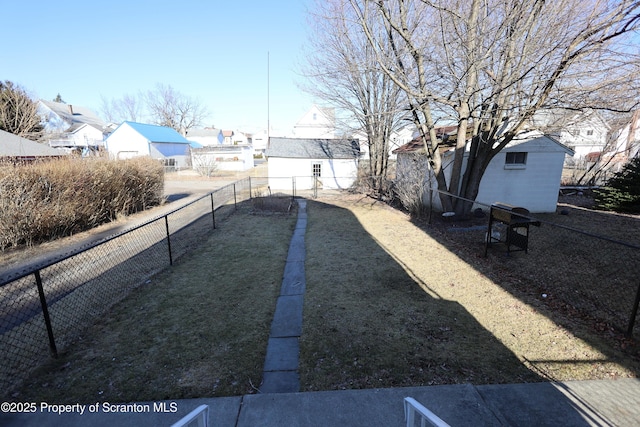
(47, 200)
(621, 193)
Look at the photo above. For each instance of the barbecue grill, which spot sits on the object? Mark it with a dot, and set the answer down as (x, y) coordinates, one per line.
(516, 222)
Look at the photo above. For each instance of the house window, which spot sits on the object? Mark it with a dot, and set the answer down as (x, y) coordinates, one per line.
(315, 116)
(317, 169)
(516, 160)
(590, 132)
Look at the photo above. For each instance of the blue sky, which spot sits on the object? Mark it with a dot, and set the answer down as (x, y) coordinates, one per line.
(214, 51)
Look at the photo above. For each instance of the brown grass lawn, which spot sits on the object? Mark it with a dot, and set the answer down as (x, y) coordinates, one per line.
(199, 328)
(389, 302)
(396, 302)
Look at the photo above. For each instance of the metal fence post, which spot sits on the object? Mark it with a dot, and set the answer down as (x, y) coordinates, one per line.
(213, 212)
(634, 313)
(315, 187)
(45, 313)
(166, 224)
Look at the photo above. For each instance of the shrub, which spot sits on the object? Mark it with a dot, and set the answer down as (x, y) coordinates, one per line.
(621, 193)
(47, 200)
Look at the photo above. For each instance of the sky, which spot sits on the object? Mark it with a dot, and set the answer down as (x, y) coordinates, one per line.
(230, 55)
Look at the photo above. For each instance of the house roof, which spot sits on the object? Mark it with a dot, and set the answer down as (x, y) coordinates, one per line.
(534, 139)
(14, 146)
(154, 133)
(306, 148)
(74, 114)
(537, 141)
(444, 133)
(203, 132)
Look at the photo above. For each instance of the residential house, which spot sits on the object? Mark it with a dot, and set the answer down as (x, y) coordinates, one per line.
(397, 139)
(222, 157)
(132, 139)
(306, 162)
(259, 141)
(73, 128)
(526, 173)
(206, 137)
(584, 132)
(16, 149)
(625, 143)
(316, 123)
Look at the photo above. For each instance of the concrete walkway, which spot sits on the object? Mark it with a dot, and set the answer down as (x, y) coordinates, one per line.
(573, 403)
(281, 362)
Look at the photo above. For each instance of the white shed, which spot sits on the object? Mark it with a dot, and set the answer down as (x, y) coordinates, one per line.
(526, 173)
(333, 162)
(132, 139)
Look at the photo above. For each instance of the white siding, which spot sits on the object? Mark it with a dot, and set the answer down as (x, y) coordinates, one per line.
(314, 124)
(535, 187)
(335, 173)
(229, 158)
(125, 141)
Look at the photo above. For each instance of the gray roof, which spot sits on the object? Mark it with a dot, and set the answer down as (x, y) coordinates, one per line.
(74, 114)
(304, 148)
(203, 132)
(14, 146)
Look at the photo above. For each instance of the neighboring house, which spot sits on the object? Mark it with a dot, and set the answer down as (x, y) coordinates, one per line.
(526, 173)
(331, 163)
(132, 139)
(206, 137)
(316, 123)
(259, 142)
(584, 132)
(625, 143)
(222, 157)
(16, 149)
(72, 128)
(397, 139)
(228, 136)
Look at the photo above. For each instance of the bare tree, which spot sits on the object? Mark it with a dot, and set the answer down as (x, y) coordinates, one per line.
(128, 108)
(490, 65)
(342, 71)
(167, 107)
(18, 112)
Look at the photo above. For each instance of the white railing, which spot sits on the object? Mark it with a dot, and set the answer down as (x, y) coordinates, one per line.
(413, 409)
(199, 417)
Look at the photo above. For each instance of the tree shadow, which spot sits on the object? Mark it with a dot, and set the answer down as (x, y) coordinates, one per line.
(581, 283)
(370, 322)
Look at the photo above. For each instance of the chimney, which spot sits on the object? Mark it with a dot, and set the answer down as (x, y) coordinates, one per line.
(71, 109)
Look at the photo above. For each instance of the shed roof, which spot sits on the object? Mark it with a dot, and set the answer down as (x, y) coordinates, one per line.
(529, 140)
(154, 133)
(307, 148)
(15, 146)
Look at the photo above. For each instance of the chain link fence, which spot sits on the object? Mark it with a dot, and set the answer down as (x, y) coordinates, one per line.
(580, 265)
(44, 307)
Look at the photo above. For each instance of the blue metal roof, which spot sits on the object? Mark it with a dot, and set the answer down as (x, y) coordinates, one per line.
(155, 133)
